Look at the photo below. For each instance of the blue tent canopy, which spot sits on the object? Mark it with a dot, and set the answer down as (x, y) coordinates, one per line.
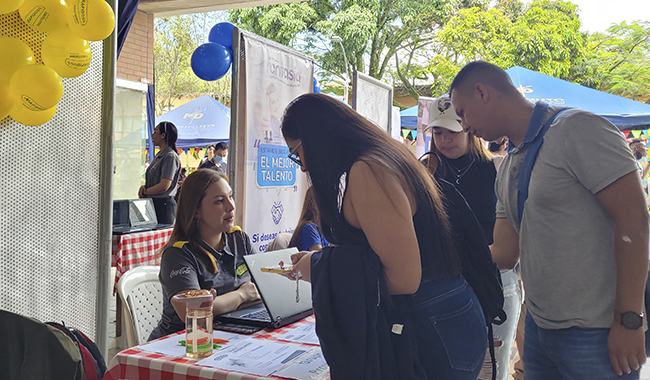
(409, 117)
(622, 112)
(201, 122)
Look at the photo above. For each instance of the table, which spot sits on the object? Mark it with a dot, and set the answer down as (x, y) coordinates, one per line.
(136, 249)
(133, 250)
(136, 363)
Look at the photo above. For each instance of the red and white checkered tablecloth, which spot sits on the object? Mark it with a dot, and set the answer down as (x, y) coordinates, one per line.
(136, 249)
(135, 363)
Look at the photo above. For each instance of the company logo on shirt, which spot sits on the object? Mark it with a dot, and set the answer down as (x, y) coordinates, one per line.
(241, 269)
(178, 272)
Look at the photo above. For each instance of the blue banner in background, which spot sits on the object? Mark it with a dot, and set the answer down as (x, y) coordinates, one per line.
(274, 168)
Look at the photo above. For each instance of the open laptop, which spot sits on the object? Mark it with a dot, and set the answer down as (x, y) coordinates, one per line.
(133, 215)
(279, 307)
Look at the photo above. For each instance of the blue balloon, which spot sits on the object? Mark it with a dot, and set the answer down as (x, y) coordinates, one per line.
(221, 34)
(316, 86)
(211, 61)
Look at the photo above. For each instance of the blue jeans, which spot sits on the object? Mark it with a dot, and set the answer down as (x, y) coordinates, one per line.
(568, 354)
(450, 329)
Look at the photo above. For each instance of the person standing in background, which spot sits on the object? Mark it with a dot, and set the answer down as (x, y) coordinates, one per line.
(581, 232)
(307, 235)
(216, 155)
(469, 167)
(464, 162)
(640, 152)
(162, 175)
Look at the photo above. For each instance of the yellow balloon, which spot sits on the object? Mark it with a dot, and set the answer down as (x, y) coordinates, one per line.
(15, 54)
(8, 6)
(44, 15)
(92, 20)
(32, 118)
(6, 99)
(66, 53)
(37, 87)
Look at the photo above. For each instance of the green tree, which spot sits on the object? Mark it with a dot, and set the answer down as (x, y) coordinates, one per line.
(543, 36)
(175, 39)
(619, 60)
(372, 31)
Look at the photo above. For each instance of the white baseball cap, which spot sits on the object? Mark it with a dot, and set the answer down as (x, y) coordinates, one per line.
(443, 114)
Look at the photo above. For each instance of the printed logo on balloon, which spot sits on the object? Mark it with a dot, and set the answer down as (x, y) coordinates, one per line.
(30, 92)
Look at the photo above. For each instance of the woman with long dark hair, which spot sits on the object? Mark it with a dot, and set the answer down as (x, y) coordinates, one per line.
(161, 177)
(307, 235)
(373, 194)
(205, 251)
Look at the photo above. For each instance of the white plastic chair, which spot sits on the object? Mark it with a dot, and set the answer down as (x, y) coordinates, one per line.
(142, 300)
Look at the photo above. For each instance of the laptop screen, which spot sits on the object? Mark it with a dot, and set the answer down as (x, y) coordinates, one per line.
(121, 212)
(142, 212)
(278, 292)
(134, 213)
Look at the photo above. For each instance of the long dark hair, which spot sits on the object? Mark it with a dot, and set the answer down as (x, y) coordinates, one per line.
(333, 138)
(309, 214)
(171, 133)
(189, 200)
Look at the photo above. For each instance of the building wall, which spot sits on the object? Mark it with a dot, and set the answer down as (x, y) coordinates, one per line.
(136, 59)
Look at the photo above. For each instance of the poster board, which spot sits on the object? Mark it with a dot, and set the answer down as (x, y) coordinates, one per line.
(373, 100)
(269, 188)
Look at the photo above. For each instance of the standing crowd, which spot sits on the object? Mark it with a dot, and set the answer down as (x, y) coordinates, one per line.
(558, 226)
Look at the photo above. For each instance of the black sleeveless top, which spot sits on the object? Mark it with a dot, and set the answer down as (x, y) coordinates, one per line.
(423, 221)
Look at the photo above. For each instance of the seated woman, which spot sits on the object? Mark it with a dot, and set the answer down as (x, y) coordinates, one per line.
(205, 251)
(307, 235)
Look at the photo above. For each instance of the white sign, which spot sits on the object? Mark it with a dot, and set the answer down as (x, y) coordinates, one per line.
(274, 185)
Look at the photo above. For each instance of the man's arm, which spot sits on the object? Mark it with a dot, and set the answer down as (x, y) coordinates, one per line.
(505, 249)
(625, 203)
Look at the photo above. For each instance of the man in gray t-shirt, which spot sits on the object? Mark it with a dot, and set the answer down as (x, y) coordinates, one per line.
(583, 235)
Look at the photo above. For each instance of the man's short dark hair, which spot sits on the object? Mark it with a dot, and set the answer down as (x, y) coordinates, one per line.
(221, 145)
(482, 72)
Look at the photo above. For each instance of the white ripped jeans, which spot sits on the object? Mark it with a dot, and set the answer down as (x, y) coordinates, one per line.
(504, 334)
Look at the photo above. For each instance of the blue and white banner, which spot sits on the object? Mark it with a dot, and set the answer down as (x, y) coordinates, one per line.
(274, 185)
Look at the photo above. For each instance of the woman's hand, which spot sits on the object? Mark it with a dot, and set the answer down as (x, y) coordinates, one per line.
(301, 266)
(249, 292)
(141, 192)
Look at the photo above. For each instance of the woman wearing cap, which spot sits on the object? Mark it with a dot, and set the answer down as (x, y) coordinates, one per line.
(463, 161)
(162, 175)
(381, 209)
(467, 164)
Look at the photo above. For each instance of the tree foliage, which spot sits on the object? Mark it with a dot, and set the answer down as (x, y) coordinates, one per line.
(175, 39)
(371, 30)
(619, 60)
(543, 36)
(414, 42)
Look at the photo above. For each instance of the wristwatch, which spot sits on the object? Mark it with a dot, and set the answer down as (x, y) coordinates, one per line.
(629, 319)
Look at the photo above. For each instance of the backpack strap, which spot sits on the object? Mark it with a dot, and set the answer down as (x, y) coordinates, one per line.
(534, 139)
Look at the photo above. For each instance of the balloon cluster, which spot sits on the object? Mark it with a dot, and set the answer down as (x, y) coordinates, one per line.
(29, 92)
(212, 60)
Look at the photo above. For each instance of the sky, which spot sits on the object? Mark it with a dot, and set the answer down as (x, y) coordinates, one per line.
(598, 15)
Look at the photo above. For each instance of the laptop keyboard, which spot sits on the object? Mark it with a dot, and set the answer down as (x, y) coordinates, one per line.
(260, 315)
